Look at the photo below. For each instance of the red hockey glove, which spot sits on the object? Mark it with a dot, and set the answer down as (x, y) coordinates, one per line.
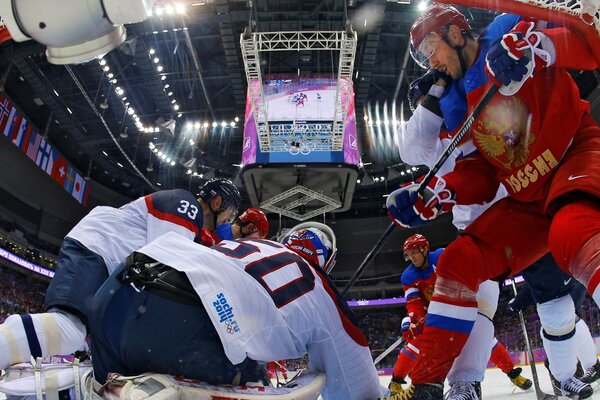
(409, 330)
(407, 208)
(208, 238)
(513, 58)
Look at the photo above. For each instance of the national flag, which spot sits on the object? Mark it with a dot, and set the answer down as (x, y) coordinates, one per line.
(79, 188)
(51, 157)
(25, 142)
(59, 169)
(34, 145)
(21, 133)
(43, 154)
(16, 125)
(69, 179)
(10, 122)
(6, 108)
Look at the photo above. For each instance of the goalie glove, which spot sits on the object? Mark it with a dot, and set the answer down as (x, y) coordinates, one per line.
(514, 58)
(408, 208)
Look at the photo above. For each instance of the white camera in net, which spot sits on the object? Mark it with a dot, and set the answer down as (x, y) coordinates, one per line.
(74, 31)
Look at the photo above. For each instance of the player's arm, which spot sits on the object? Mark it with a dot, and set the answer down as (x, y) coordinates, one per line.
(416, 304)
(473, 180)
(572, 51)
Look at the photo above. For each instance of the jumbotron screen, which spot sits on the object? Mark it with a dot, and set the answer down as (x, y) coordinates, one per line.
(300, 112)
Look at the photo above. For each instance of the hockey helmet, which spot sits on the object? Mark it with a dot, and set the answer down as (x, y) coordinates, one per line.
(416, 241)
(230, 195)
(436, 19)
(315, 242)
(258, 218)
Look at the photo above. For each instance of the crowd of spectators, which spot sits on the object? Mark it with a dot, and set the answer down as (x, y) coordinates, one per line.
(26, 245)
(20, 294)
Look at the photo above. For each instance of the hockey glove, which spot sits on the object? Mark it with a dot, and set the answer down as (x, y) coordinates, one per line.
(408, 208)
(420, 87)
(513, 58)
(208, 238)
(409, 330)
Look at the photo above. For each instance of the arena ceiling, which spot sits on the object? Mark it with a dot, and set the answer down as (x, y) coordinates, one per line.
(85, 110)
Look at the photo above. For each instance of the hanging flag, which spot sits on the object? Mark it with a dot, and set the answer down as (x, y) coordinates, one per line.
(10, 124)
(43, 154)
(59, 169)
(69, 179)
(34, 145)
(21, 133)
(5, 110)
(79, 188)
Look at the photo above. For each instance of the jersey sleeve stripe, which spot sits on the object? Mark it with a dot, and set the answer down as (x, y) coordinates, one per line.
(170, 217)
(353, 331)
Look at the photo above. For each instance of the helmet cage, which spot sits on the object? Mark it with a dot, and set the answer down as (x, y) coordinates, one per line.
(323, 234)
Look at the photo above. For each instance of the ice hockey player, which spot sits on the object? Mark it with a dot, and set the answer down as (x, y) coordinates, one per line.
(418, 281)
(547, 160)
(214, 312)
(93, 249)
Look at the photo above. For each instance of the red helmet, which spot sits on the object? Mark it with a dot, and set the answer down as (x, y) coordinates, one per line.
(436, 18)
(258, 218)
(416, 241)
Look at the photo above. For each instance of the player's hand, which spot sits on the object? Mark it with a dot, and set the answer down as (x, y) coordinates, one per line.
(420, 87)
(408, 208)
(410, 332)
(208, 238)
(514, 57)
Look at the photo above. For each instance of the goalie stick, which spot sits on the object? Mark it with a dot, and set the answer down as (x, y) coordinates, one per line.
(536, 382)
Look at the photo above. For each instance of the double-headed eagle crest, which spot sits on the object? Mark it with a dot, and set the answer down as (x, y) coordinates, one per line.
(503, 132)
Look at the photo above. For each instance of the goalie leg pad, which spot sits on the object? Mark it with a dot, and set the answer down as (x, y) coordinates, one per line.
(39, 335)
(307, 386)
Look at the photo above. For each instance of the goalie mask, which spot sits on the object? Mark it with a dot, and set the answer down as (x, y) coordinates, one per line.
(315, 242)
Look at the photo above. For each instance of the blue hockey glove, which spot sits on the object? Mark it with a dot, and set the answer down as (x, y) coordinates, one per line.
(407, 208)
(513, 58)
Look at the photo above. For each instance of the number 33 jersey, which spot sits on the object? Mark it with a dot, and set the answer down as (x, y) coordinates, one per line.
(268, 304)
(114, 233)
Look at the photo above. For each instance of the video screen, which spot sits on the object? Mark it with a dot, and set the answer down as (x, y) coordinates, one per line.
(300, 112)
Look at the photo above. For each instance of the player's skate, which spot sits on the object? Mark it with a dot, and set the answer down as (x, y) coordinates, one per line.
(572, 387)
(519, 380)
(463, 390)
(592, 375)
(425, 391)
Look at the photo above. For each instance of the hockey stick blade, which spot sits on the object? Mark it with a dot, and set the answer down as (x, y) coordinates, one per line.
(466, 126)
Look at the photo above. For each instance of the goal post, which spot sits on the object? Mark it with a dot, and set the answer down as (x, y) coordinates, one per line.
(569, 13)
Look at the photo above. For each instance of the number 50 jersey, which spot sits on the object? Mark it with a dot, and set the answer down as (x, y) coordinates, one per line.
(268, 304)
(114, 233)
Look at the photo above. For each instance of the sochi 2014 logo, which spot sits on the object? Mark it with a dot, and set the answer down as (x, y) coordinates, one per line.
(225, 313)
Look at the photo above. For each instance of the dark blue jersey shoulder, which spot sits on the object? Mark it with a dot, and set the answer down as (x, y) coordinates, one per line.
(178, 206)
(454, 101)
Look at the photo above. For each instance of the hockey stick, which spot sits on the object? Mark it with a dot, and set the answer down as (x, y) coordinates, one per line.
(466, 126)
(536, 382)
(368, 259)
(400, 342)
(434, 170)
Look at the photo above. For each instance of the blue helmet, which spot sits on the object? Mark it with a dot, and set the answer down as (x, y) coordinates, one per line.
(315, 242)
(230, 195)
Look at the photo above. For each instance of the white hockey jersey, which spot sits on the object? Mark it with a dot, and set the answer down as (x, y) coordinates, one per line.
(114, 233)
(268, 304)
(420, 143)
